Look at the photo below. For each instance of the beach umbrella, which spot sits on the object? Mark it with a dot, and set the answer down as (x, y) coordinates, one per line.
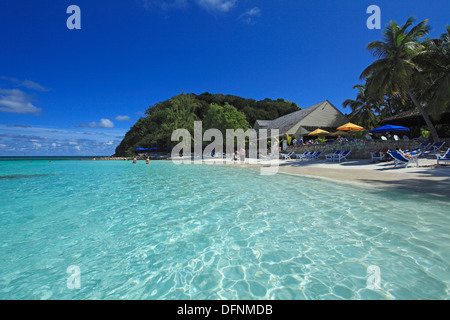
(318, 132)
(340, 133)
(389, 128)
(350, 127)
(142, 149)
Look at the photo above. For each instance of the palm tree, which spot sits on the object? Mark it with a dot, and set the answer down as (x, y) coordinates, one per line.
(362, 109)
(394, 71)
(435, 63)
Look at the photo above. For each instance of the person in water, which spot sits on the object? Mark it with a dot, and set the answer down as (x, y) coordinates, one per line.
(147, 161)
(134, 160)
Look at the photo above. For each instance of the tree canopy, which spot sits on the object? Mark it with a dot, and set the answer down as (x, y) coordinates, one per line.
(411, 71)
(215, 110)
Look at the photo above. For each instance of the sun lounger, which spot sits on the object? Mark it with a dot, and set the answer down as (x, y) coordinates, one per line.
(312, 155)
(266, 157)
(424, 146)
(377, 156)
(315, 156)
(304, 156)
(402, 159)
(343, 155)
(333, 156)
(435, 147)
(287, 156)
(445, 157)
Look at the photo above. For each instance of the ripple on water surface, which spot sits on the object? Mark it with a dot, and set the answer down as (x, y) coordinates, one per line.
(162, 231)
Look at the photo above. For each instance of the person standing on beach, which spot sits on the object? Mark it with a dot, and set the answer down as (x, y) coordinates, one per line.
(242, 154)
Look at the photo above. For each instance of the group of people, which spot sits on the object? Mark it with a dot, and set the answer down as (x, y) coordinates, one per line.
(239, 155)
(147, 161)
(341, 139)
(301, 142)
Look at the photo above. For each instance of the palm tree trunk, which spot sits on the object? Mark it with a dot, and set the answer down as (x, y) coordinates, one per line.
(425, 116)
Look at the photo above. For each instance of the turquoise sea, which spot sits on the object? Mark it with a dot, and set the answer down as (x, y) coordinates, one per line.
(166, 231)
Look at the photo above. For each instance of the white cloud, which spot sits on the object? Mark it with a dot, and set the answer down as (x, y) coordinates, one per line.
(217, 5)
(104, 123)
(254, 12)
(250, 15)
(17, 101)
(33, 85)
(50, 141)
(213, 6)
(26, 84)
(122, 118)
(165, 5)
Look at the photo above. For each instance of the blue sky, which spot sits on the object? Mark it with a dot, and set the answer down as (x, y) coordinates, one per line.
(76, 92)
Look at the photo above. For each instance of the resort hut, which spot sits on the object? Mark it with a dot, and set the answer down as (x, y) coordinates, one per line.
(413, 119)
(300, 123)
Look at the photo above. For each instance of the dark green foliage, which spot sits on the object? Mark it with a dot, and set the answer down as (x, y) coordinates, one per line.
(410, 72)
(215, 110)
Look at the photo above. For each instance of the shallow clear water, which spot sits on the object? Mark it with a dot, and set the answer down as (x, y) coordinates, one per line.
(162, 231)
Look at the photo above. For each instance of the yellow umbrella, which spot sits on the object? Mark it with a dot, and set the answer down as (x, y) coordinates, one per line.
(318, 132)
(350, 127)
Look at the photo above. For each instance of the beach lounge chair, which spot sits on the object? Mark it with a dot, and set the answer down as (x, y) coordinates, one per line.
(333, 156)
(445, 157)
(310, 156)
(343, 155)
(400, 158)
(315, 156)
(265, 157)
(287, 156)
(305, 155)
(379, 155)
(435, 147)
(424, 146)
(300, 156)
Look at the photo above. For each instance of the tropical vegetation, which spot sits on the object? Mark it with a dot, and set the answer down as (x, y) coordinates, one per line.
(411, 71)
(217, 111)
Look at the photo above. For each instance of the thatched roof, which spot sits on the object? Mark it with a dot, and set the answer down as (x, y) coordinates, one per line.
(303, 121)
(263, 123)
(404, 116)
(413, 116)
(285, 123)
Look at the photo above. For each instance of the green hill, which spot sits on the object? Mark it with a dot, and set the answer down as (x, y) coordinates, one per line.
(215, 110)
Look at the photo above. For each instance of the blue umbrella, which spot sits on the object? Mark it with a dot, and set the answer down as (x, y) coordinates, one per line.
(389, 128)
(142, 149)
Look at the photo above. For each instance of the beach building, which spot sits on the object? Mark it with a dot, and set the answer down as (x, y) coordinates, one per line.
(413, 120)
(323, 115)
